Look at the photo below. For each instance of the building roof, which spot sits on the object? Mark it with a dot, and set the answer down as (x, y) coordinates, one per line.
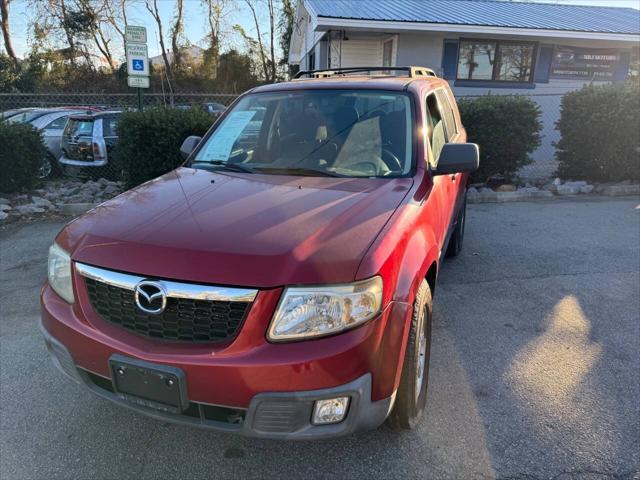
(490, 13)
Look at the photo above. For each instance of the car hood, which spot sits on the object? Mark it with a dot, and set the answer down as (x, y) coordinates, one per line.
(238, 229)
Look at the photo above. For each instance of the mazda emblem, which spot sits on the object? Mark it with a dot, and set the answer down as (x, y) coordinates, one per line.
(150, 297)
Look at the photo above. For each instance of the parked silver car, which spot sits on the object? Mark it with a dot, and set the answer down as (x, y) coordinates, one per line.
(51, 122)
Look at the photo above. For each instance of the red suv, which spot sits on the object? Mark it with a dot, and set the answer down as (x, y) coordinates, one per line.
(279, 283)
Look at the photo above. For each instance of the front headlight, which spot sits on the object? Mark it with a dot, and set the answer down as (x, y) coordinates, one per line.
(59, 272)
(306, 312)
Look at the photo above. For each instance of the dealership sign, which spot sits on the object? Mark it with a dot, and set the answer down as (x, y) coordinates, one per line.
(584, 63)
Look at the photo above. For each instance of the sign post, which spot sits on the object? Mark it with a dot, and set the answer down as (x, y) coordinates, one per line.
(137, 59)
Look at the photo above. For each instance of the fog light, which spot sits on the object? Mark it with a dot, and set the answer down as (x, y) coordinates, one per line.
(331, 410)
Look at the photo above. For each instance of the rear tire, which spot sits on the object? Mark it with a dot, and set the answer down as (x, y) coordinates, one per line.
(411, 396)
(457, 237)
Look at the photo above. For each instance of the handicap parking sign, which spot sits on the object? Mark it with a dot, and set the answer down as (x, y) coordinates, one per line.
(138, 65)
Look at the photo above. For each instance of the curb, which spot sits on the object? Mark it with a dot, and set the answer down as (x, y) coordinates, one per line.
(504, 197)
(75, 208)
(620, 190)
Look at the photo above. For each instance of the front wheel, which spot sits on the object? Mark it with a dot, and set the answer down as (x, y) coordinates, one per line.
(457, 237)
(412, 394)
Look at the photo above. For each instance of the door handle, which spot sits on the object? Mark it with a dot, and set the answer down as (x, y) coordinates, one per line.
(453, 177)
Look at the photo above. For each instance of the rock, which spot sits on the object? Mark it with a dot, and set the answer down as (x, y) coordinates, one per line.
(578, 184)
(568, 190)
(3, 216)
(112, 190)
(486, 190)
(4, 207)
(29, 209)
(41, 202)
(4, 201)
(472, 191)
(557, 182)
(587, 189)
(506, 188)
(550, 187)
(528, 189)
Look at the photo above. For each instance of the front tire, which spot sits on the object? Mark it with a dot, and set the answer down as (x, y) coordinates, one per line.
(412, 394)
(457, 237)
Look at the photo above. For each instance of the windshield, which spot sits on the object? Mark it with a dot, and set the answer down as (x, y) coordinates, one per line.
(351, 133)
(26, 117)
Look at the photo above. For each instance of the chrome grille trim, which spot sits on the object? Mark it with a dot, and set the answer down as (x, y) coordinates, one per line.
(173, 289)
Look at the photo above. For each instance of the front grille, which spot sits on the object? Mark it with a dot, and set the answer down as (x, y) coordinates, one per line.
(183, 319)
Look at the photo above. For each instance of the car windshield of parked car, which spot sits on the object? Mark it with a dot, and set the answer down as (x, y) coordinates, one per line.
(26, 117)
(350, 133)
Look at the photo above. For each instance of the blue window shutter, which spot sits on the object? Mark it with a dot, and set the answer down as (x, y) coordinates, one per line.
(450, 59)
(622, 69)
(543, 65)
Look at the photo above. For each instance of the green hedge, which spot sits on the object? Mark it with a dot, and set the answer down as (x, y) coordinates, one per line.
(600, 134)
(507, 129)
(22, 152)
(149, 142)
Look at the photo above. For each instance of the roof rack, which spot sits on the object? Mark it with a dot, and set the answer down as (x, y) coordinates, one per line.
(411, 71)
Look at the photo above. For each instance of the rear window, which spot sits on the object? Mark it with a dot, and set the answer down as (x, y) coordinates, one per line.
(79, 127)
(110, 126)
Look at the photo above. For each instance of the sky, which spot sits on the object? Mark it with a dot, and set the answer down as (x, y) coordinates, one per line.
(195, 19)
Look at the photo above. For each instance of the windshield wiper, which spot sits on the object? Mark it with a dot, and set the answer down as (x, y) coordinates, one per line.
(222, 165)
(300, 171)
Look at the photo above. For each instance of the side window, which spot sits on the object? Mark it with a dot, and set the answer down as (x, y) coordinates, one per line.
(57, 124)
(447, 113)
(435, 129)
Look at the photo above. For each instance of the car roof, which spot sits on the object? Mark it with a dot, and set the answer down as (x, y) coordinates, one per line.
(95, 115)
(351, 82)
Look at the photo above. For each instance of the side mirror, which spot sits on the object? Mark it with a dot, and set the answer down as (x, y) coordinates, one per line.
(189, 145)
(458, 158)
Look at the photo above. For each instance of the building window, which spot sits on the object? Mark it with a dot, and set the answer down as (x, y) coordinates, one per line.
(387, 53)
(312, 60)
(503, 61)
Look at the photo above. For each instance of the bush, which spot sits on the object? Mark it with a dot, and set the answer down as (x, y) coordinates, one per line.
(600, 134)
(22, 152)
(149, 142)
(507, 129)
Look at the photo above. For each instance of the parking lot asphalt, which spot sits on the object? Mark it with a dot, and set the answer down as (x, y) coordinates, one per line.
(535, 370)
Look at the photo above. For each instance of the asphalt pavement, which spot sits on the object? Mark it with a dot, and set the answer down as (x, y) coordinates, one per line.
(535, 370)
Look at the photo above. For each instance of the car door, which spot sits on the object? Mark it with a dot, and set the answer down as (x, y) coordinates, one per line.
(443, 185)
(453, 135)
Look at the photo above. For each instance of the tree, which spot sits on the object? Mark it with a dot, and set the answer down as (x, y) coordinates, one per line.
(176, 31)
(285, 25)
(155, 13)
(215, 14)
(267, 59)
(6, 33)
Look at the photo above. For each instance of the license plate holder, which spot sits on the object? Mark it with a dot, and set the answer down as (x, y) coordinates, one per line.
(161, 387)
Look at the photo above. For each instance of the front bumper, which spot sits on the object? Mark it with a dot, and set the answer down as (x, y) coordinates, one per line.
(80, 163)
(282, 415)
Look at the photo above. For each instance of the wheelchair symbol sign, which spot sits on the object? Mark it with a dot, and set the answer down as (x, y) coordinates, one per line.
(138, 65)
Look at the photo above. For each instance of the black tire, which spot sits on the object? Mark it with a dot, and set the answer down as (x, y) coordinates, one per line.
(411, 396)
(457, 237)
(46, 168)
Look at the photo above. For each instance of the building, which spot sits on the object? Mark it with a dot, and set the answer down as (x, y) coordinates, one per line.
(480, 46)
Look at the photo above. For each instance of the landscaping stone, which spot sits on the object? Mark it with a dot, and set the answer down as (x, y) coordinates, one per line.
(4, 207)
(3, 216)
(506, 188)
(4, 201)
(568, 189)
(586, 189)
(29, 209)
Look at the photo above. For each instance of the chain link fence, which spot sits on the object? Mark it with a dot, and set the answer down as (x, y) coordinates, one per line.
(542, 169)
(114, 101)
